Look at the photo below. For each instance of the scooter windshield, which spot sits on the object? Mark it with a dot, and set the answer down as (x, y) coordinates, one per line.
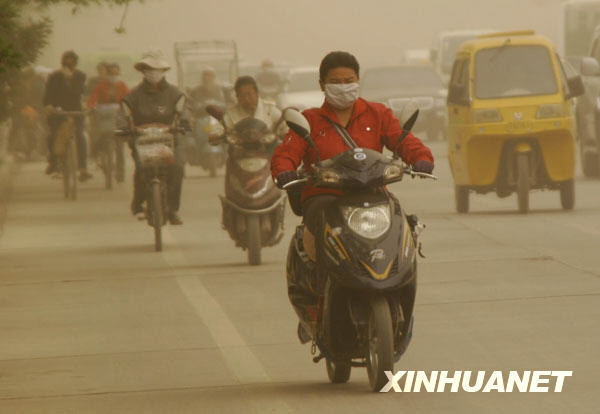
(250, 130)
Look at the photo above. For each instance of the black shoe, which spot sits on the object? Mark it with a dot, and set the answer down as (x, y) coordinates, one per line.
(136, 208)
(51, 169)
(174, 219)
(84, 176)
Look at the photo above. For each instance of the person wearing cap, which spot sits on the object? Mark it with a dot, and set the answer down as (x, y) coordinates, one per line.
(154, 100)
(64, 90)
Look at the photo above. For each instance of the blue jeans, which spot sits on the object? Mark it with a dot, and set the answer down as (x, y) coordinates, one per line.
(54, 122)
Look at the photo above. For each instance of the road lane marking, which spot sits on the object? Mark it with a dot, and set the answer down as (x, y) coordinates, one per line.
(242, 362)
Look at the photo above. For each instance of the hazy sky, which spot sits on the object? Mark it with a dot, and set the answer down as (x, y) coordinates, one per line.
(299, 31)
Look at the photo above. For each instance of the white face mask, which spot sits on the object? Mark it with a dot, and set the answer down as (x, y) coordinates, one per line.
(154, 75)
(341, 95)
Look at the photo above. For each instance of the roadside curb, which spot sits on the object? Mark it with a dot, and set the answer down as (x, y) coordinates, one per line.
(7, 169)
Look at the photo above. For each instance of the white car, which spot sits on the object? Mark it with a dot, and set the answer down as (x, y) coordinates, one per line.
(302, 89)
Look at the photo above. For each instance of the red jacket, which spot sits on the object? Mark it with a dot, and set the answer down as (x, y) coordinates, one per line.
(106, 93)
(372, 125)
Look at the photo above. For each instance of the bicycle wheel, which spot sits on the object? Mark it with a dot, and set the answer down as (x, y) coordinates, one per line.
(109, 163)
(157, 215)
(73, 167)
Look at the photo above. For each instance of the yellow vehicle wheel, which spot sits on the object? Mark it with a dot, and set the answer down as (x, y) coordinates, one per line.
(567, 194)
(461, 197)
(523, 182)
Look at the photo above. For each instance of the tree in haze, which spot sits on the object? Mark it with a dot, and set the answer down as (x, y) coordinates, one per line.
(23, 37)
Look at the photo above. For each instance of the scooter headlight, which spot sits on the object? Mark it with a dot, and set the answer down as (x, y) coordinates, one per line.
(252, 164)
(368, 222)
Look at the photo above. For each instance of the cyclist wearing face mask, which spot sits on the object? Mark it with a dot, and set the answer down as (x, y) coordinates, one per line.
(155, 100)
(371, 125)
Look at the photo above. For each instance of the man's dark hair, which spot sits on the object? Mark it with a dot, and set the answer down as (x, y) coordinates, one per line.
(243, 81)
(69, 54)
(335, 60)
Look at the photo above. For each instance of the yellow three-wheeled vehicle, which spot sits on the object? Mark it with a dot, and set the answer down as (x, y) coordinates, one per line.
(511, 119)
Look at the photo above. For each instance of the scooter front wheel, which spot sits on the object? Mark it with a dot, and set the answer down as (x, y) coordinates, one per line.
(381, 343)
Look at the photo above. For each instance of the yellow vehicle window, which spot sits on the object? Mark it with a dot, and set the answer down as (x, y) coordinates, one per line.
(510, 71)
(458, 92)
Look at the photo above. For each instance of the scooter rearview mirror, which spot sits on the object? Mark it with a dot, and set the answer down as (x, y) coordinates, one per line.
(296, 122)
(299, 124)
(408, 115)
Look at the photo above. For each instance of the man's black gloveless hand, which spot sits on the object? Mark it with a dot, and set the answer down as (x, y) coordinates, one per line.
(285, 177)
(423, 166)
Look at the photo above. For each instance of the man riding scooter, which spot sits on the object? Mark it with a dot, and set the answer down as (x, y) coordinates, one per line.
(253, 208)
(342, 120)
(208, 90)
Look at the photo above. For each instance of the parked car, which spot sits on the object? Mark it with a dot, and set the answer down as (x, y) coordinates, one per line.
(394, 85)
(302, 90)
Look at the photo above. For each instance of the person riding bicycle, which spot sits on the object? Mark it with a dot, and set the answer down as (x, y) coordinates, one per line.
(155, 100)
(64, 91)
(370, 125)
(250, 105)
(107, 93)
(101, 74)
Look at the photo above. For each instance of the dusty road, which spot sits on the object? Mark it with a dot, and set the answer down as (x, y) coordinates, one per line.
(93, 321)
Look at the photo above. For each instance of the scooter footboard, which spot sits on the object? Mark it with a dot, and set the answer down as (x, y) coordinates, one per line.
(301, 280)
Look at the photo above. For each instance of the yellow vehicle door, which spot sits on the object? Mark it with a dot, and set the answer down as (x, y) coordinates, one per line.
(459, 107)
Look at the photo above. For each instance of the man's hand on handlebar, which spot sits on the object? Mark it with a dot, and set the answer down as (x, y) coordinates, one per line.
(423, 166)
(285, 177)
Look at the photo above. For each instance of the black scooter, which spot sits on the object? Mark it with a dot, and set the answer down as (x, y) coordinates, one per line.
(355, 303)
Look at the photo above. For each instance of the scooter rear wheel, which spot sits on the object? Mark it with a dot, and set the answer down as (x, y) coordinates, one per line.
(254, 243)
(338, 372)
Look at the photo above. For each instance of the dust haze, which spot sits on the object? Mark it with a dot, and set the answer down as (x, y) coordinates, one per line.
(295, 32)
